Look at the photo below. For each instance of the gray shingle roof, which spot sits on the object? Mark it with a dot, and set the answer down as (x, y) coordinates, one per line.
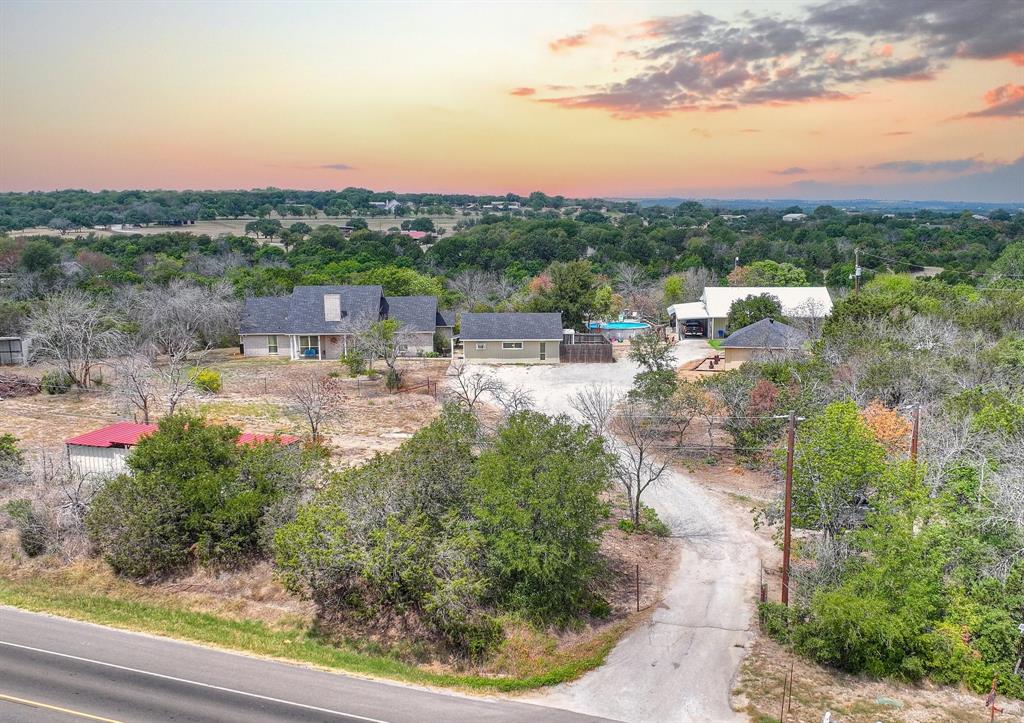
(417, 313)
(766, 334)
(303, 311)
(445, 317)
(511, 325)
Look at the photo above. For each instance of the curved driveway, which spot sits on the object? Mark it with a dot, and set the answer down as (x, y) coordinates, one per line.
(681, 664)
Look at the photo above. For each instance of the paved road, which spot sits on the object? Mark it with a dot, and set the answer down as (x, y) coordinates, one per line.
(53, 669)
(681, 664)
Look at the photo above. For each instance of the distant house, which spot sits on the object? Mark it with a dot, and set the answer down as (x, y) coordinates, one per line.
(104, 451)
(511, 338)
(794, 217)
(762, 339)
(712, 311)
(390, 206)
(320, 322)
(13, 350)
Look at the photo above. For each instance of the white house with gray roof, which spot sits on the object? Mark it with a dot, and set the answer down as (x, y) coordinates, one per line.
(320, 322)
(511, 338)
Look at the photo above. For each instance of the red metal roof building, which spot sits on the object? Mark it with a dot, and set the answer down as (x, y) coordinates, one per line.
(128, 434)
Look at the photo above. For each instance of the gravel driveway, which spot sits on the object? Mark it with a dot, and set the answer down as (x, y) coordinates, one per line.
(680, 665)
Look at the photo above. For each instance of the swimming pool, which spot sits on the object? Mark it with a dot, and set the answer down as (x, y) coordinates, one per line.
(618, 325)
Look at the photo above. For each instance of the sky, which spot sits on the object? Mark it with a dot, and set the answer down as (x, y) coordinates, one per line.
(907, 99)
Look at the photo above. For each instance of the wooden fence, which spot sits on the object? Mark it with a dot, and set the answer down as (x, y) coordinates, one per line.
(585, 349)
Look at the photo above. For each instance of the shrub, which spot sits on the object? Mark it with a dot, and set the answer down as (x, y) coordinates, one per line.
(442, 344)
(31, 527)
(776, 620)
(651, 523)
(207, 380)
(192, 493)
(393, 380)
(355, 362)
(56, 381)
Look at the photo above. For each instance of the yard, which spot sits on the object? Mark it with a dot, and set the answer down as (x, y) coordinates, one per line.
(253, 398)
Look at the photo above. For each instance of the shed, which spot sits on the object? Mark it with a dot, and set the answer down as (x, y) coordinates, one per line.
(103, 451)
(13, 350)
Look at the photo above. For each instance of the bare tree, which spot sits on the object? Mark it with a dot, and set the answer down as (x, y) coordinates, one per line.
(636, 442)
(73, 330)
(694, 282)
(467, 387)
(475, 286)
(135, 382)
(316, 397)
(385, 340)
(596, 405)
(513, 400)
(182, 318)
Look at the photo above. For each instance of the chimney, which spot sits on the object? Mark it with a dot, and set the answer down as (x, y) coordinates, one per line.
(332, 307)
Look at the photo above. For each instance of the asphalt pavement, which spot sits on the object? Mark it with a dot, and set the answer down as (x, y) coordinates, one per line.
(53, 669)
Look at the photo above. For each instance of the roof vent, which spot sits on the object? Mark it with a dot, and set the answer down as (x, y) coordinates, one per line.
(332, 307)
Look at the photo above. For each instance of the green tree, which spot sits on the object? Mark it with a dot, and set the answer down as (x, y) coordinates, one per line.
(536, 497)
(192, 493)
(572, 291)
(744, 312)
(39, 256)
(836, 463)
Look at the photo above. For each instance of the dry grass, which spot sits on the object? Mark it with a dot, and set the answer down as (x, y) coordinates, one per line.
(851, 699)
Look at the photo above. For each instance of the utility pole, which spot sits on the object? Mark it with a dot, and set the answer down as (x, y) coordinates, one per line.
(914, 435)
(856, 271)
(787, 532)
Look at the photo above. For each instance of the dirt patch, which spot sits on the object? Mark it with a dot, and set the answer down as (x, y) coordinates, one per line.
(851, 699)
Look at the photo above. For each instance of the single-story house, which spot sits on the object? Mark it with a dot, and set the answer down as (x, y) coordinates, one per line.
(712, 311)
(511, 337)
(13, 350)
(320, 322)
(762, 340)
(104, 451)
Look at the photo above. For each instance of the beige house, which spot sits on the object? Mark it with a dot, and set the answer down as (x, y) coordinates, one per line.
(511, 338)
(763, 340)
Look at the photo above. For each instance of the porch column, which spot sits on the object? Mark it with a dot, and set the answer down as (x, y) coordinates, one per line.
(319, 347)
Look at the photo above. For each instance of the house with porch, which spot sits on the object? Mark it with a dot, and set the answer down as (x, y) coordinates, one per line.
(321, 322)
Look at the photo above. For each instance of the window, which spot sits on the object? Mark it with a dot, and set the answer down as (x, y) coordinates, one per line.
(511, 345)
(309, 347)
(481, 345)
(543, 350)
(272, 344)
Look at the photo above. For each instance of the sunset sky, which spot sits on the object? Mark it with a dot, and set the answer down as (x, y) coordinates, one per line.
(881, 98)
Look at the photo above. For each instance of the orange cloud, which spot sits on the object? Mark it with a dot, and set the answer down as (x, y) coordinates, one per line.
(580, 39)
(1006, 101)
(524, 90)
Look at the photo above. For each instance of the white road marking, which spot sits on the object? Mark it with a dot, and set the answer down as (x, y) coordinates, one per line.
(195, 682)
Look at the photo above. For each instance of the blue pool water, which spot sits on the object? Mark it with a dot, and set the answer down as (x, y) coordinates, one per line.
(618, 325)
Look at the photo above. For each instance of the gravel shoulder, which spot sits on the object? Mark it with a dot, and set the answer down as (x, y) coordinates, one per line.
(681, 664)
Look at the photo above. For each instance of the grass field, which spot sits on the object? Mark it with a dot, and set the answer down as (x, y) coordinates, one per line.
(236, 226)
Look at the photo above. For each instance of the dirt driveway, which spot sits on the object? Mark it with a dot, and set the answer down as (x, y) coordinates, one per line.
(681, 664)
